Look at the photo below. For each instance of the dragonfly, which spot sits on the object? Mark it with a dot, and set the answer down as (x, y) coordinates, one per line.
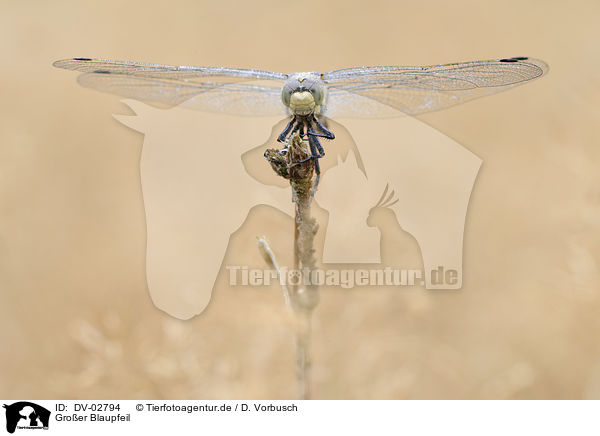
(307, 98)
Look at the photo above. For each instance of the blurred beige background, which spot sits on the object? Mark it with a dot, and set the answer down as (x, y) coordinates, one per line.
(76, 320)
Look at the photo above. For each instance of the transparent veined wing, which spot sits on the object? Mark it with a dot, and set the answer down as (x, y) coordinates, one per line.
(173, 72)
(214, 89)
(231, 98)
(416, 90)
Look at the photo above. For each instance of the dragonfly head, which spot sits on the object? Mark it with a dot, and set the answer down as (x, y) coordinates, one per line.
(303, 93)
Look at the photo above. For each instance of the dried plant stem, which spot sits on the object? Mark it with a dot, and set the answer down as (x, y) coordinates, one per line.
(306, 295)
(293, 163)
(269, 256)
(303, 362)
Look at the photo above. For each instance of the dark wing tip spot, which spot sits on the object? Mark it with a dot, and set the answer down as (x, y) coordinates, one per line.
(102, 72)
(514, 59)
(81, 59)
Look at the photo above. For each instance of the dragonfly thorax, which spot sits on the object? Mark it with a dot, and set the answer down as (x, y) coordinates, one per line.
(303, 93)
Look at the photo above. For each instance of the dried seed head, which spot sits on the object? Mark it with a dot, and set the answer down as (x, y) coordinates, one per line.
(279, 161)
(292, 162)
(299, 159)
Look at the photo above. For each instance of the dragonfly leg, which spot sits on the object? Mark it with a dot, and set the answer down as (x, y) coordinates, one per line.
(282, 137)
(326, 132)
(317, 153)
(315, 146)
(295, 129)
(301, 130)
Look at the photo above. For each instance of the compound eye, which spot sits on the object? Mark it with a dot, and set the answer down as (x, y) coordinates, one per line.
(317, 93)
(286, 93)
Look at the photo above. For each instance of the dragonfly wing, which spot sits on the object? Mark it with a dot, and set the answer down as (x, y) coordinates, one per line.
(231, 98)
(416, 90)
(203, 88)
(240, 99)
(345, 104)
(141, 69)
